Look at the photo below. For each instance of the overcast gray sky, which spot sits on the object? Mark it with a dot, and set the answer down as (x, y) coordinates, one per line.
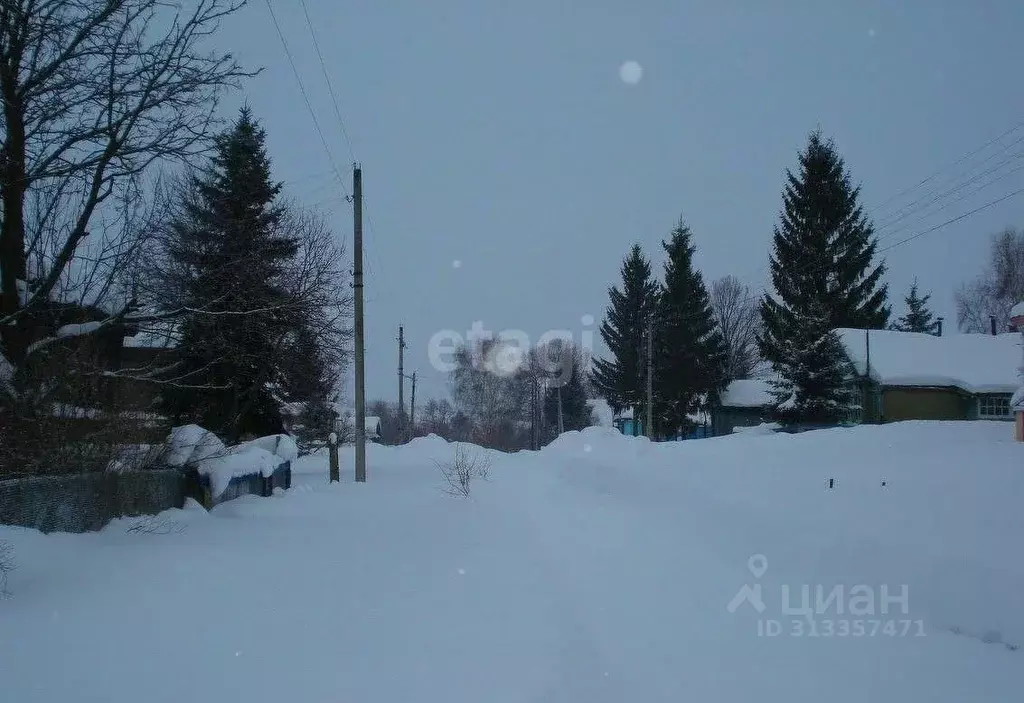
(508, 167)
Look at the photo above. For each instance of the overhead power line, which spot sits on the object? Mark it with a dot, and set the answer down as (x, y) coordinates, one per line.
(305, 98)
(959, 161)
(327, 79)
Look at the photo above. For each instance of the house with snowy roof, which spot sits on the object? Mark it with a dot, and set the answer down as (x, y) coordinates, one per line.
(916, 376)
(745, 402)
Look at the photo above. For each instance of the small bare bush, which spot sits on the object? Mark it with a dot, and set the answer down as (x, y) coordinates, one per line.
(155, 525)
(463, 469)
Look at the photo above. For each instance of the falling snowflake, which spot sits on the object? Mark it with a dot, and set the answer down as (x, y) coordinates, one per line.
(462, 572)
(871, 32)
(457, 263)
(587, 447)
(631, 72)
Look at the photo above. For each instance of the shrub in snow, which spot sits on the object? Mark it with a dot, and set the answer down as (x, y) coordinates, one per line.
(463, 469)
(155, 525)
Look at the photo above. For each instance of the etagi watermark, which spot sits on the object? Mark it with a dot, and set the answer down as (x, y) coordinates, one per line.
(505, 352)
(834, 611)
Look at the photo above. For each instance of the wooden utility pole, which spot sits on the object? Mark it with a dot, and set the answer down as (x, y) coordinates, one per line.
(357, 285)
(335, 470)
(649, 429)
(401, 382)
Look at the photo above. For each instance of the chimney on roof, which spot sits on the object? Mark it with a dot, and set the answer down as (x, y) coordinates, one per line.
(992, 324)
(939, 331)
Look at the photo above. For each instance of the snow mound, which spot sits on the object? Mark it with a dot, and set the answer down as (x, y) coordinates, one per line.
(239, 461)
(190, 444)
(280, 444)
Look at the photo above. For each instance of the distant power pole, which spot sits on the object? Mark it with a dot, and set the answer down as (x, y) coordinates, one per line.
(357, 285)
(533, 414)
(650, 381)
(412, 404)
(401, 382)
(561, 426)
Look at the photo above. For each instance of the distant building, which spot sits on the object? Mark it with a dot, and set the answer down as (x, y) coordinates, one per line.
(745, 402)
(627, 425)
(345, 424)
(916, 376)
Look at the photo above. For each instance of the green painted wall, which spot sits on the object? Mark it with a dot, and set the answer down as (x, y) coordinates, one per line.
(723, 420)
(926, 404)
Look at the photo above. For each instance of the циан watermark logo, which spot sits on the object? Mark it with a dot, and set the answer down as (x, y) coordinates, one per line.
(826, 611)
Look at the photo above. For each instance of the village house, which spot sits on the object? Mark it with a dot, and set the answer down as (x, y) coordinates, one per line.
(916, 376)
(746, 402)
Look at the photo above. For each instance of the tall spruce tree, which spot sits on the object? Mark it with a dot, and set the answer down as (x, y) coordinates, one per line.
(822, 264)
(690, 355)
(620, 380)
(918, 318)
(812, 383)
(228, 243)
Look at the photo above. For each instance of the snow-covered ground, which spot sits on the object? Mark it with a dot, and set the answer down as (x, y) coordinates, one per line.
(599, 569)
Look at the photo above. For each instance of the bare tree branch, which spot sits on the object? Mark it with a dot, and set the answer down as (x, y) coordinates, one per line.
(95, 93)
(738, 319)
(999, 287)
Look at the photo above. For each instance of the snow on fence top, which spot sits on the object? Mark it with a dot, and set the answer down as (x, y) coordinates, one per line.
(747, 393)
(976, 363)
(192, 445)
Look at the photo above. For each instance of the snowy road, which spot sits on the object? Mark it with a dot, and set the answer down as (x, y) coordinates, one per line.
(599, 569)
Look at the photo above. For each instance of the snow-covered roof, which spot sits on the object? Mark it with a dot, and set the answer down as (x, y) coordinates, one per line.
(1017, 400)
(1018, 310)
(976, 363)
(747, 393)
(371, 423)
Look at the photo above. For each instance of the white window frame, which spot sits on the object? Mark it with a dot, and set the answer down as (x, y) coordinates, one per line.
(1008, 415)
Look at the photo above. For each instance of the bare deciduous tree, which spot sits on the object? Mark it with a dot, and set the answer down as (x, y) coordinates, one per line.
(997, 289)
(436, 418)
(491, 386)
(738, 319)
(96, 94)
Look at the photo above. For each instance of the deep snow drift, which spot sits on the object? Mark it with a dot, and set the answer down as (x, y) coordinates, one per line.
(599, 569)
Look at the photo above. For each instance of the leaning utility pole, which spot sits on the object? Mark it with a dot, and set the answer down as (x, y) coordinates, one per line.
(401, 382)
(357, 285)
(649, 429)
